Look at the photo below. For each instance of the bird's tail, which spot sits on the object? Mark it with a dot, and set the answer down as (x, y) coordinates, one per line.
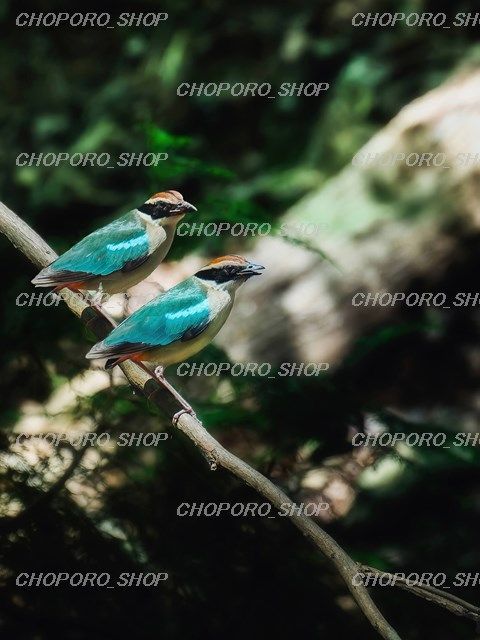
(46, 278)
(101, 350)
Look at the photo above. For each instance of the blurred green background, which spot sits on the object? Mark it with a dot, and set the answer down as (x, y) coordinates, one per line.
(237, 159)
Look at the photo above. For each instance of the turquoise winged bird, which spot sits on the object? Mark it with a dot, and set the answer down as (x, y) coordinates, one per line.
(124, 252)
(180, 322)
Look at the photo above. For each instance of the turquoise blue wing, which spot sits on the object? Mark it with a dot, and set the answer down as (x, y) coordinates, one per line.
(119, 246)
(179, 314)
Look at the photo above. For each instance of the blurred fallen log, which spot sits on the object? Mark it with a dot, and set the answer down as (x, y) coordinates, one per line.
(383, 226)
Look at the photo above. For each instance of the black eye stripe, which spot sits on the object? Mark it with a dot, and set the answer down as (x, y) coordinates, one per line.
(158, 209)
(219, 274)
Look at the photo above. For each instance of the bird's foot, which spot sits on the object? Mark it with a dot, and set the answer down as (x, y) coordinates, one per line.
(95, 301)
(188, 410)
(159, 372)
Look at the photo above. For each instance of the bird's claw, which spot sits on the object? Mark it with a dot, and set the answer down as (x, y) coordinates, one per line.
(177, 415)
(158, 371)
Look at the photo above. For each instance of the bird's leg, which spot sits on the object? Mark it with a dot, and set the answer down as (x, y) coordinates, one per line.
(159, 374)
(103, 313)
(160, 377)
(98, 305)
(85, 295)
(97, 301)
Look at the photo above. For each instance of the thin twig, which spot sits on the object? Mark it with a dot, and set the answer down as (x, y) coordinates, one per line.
(38, 252)
(454, 604)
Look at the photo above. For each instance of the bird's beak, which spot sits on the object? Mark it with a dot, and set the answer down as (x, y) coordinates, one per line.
(252, 269)
(186, 206)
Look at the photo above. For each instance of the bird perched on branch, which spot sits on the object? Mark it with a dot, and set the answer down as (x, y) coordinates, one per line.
(122, 253)
(180, 322)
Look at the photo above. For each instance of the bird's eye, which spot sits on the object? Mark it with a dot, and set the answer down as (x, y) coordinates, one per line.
(162, 209)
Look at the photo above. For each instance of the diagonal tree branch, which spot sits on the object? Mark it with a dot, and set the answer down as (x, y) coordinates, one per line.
(38, 252)
(454, 604)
